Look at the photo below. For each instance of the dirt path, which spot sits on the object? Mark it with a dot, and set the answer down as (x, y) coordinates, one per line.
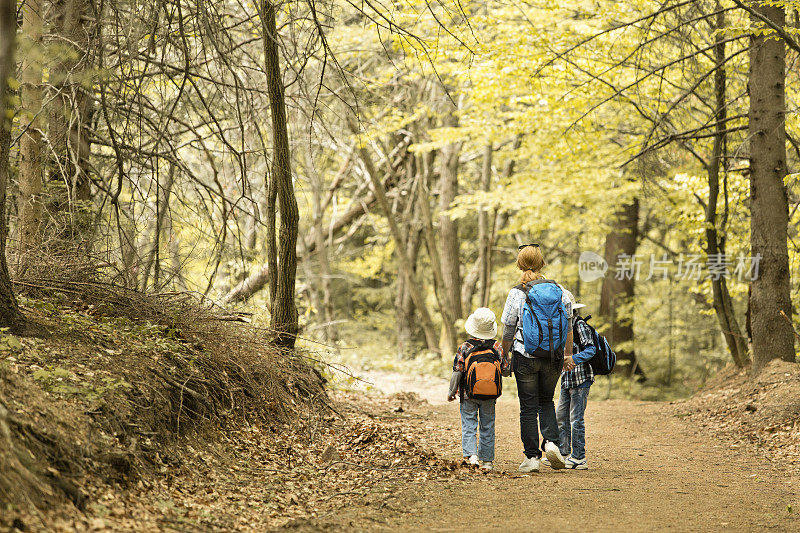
(430, 388)
(649, 471)
(373, 470)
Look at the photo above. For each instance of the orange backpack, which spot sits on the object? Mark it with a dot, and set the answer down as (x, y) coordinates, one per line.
(483, 379)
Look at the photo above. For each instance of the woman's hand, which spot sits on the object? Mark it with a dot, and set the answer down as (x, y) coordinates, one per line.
(451, 398)
(569, 363)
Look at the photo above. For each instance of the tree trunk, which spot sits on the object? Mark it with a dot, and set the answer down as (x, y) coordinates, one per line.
(407, 328)
(578, 287)
(126, 233)
(247, 287)
(260, 278)
(447, 339)
(484, 231)
(448, 230)
(267, 274)
(153, 262)
(284, 310)
(404, 263)
(715, 246)
(10, 315)
(472, 279)
(323, 283)
(616, 294)
(68, 118)
(225, 270)
(31, 150)
(772, 334)
(312, 288)
(174, 248)
(499, 220)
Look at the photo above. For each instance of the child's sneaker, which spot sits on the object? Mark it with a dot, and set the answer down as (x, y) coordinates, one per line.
(530, 464)
(553, 455)
(487, 465)
(473, 460)
(576, 464)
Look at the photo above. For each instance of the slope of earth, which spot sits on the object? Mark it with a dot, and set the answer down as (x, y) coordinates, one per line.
(761, 413)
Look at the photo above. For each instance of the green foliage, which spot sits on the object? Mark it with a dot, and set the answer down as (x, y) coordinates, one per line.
(568, 178)
(589, 107)
(58, 380)
(371, 264)
(9, 343)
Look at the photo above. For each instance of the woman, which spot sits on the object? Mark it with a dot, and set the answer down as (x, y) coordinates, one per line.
(536, 376)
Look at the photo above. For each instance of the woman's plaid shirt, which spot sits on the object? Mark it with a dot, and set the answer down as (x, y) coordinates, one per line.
(582, 372)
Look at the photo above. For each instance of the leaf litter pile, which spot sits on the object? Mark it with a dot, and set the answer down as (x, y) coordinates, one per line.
(301, 475)
(149, 412)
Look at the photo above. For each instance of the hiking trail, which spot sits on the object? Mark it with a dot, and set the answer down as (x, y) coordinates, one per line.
(649, 470)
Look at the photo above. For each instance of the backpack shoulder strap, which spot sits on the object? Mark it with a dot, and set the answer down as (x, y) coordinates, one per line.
(482, 344)
(476, 350)
(488, 346)
(596, 337)
(528, 285)
(472, 346)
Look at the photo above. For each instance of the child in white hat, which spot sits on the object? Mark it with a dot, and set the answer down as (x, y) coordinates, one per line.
(477, 369)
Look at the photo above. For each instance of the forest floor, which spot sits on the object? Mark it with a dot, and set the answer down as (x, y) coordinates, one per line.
(653, 466)
(650, 470)
(394, 463)
(388, 458)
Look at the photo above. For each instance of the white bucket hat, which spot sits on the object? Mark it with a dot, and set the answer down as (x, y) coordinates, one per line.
(575, 305)
(481, 324)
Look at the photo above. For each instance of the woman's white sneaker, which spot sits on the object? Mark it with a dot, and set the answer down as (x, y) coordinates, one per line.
(530, 464)
(487, 465)
(575, 464)
(473, 460)
(553, 455)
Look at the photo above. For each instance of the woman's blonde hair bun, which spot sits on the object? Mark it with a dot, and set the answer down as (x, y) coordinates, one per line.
(531, 262)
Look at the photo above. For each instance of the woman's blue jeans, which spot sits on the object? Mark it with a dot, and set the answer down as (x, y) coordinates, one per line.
(536, 384)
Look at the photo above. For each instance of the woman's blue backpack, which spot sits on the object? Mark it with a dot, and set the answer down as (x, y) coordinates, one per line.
(544, 319)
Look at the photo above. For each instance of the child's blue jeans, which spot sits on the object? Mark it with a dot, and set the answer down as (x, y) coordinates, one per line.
(470, 411)
(572, 430)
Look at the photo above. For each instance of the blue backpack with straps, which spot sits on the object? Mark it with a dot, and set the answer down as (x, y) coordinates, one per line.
(544, 319)
(604, 358)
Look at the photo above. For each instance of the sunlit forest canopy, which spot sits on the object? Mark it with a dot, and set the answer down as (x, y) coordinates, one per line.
(426, 142)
